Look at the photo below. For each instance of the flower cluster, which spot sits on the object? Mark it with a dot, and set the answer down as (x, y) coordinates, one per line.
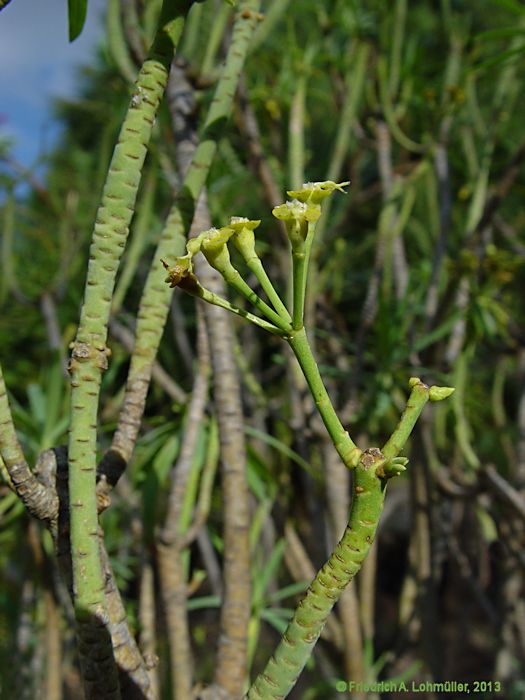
(304, 209)
(213, 244)
(300, 215)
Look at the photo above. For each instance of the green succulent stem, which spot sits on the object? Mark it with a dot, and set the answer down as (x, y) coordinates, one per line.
(356, 74)
(10, 449)
(415, 404)
(89, 353)
(240, 286)
(302, 633)
(234, 279)
(258, 270)
(372, 470)
(117, 42)
(39, 500)
(217, 116)
(419, 395)
(345, 446)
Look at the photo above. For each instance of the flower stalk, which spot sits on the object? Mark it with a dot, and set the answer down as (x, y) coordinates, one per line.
(190, 284)
(244, 241)
(215, 250)
(343, 443)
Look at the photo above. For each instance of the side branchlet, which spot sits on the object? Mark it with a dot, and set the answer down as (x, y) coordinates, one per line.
(392, 467)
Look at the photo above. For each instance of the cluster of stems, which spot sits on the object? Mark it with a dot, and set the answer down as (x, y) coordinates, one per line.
(372, 467)
(108, 657)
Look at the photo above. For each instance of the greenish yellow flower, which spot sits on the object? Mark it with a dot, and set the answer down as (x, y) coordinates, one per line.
(215, 238)
(296, 210)
(315, 192)
(244, 237)
(296, 216)
(239, 223)
(215, 249)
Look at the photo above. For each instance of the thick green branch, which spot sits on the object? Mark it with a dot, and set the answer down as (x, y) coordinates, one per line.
(89, 353)
(296, 646)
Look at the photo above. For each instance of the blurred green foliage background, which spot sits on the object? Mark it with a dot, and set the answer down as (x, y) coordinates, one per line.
(419, 270)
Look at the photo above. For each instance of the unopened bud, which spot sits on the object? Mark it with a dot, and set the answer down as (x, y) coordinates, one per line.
(438, 393)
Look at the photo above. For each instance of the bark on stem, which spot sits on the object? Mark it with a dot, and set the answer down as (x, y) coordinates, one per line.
(40, 501)
(171, 561)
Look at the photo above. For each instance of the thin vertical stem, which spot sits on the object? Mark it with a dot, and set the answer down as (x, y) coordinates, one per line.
(354, 83)
(300, 264)
(399, 20)
(216, 36)
(345, 446)
(170, 551)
